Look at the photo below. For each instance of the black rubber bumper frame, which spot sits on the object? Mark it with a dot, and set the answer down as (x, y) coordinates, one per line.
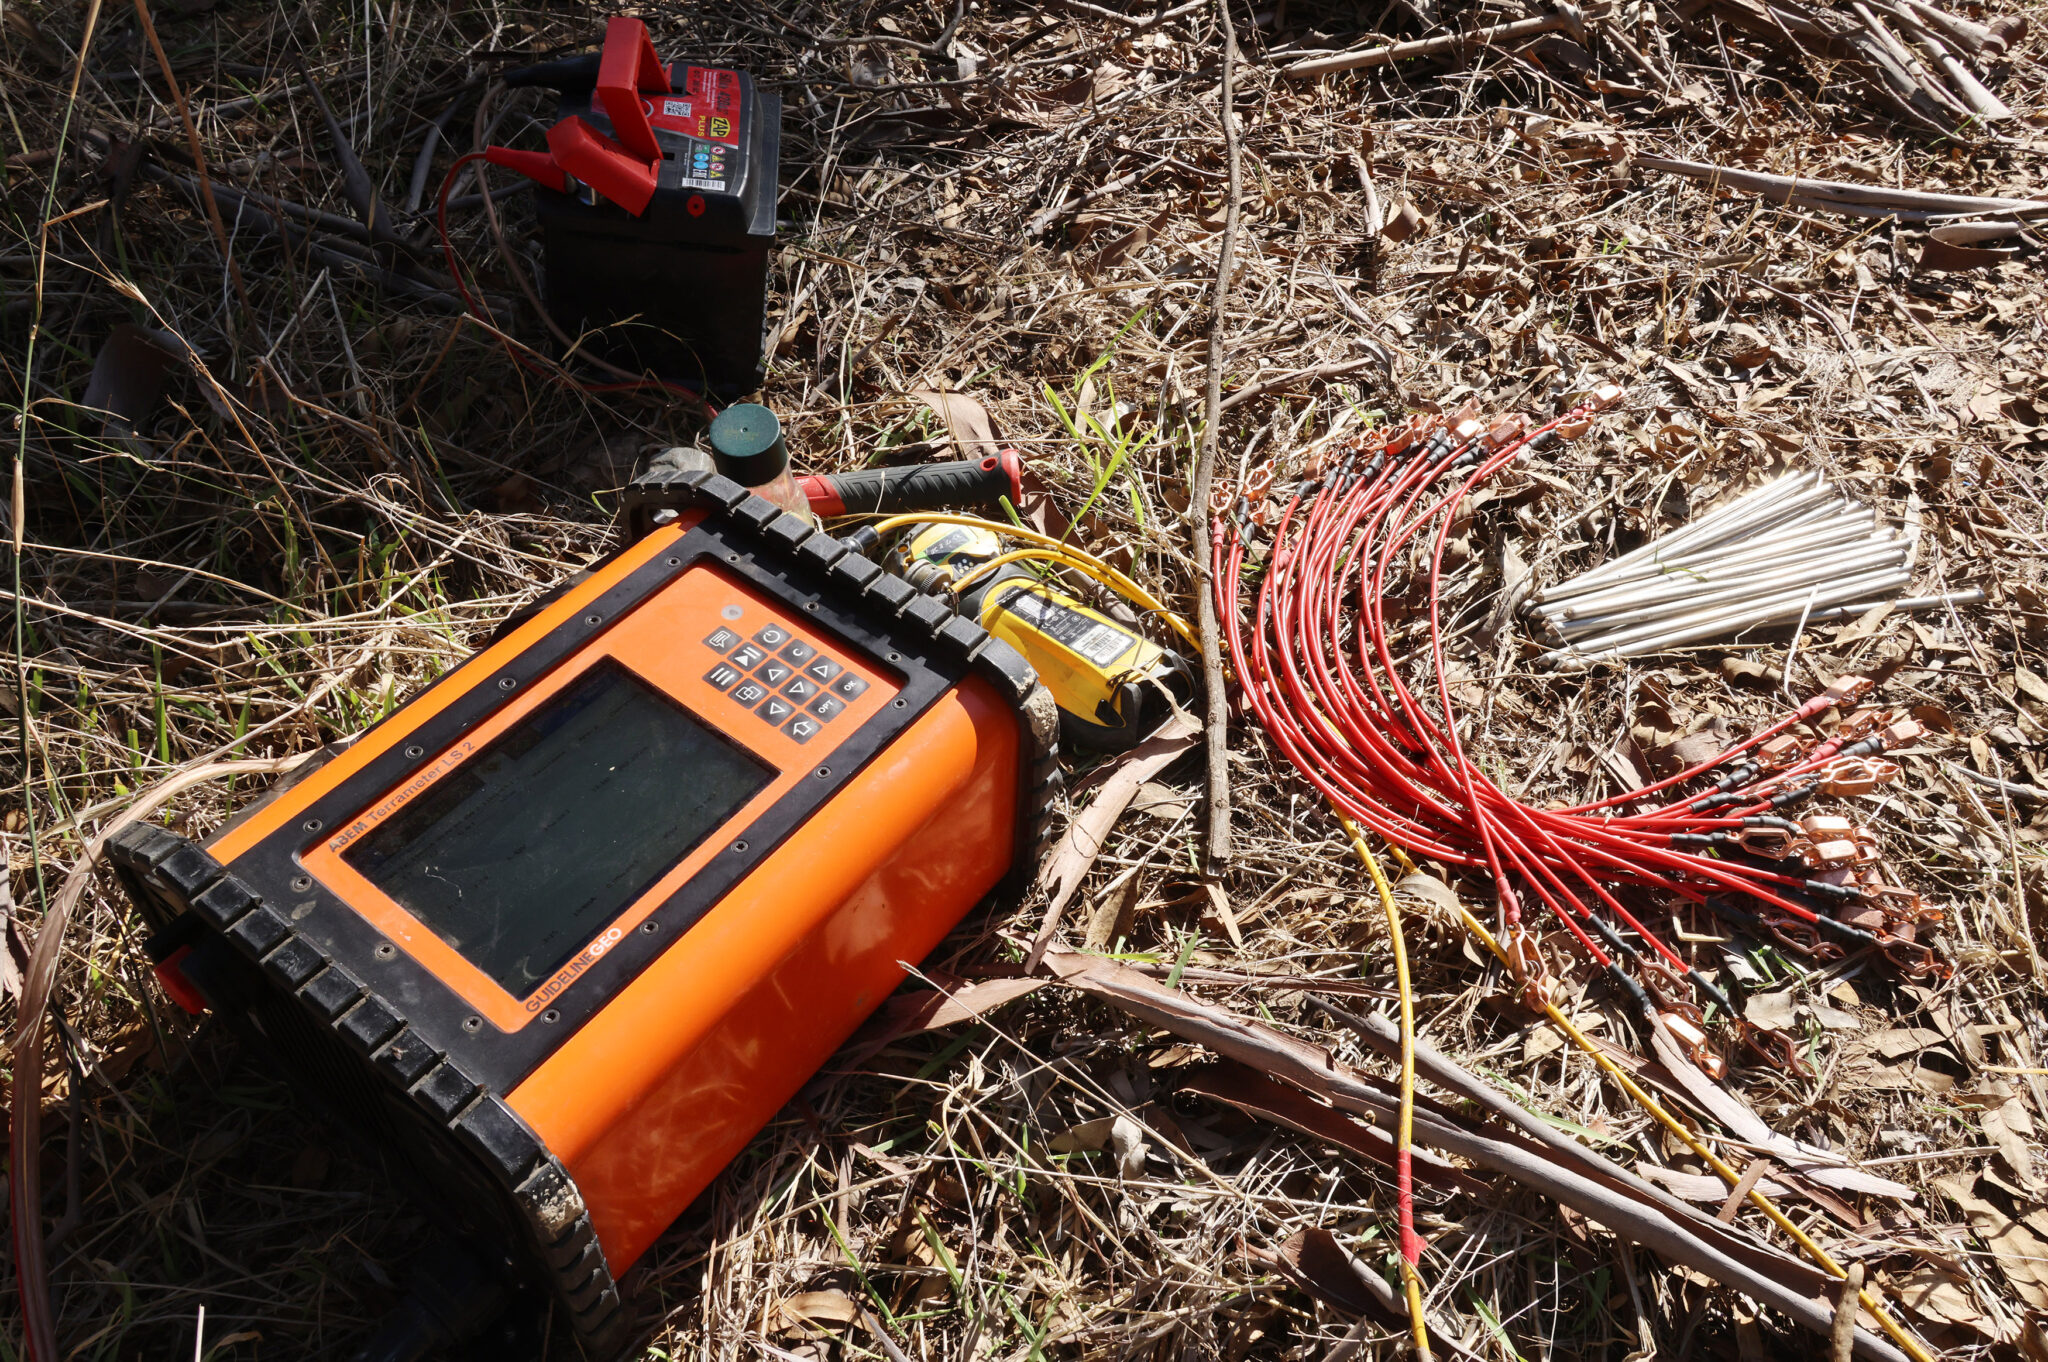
(170, 875)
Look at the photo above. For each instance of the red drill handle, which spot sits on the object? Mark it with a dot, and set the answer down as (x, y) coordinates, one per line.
(979, 483)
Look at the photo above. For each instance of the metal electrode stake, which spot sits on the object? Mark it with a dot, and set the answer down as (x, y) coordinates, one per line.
(1833, 555)
(1714, 624)
(1792, 549)
(1689, 543)
(1695, 593)
(1766, 504)
(1822, 556)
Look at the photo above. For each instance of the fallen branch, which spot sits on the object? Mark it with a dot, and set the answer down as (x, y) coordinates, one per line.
(1868, 200)
(1218, 744)
(206, 200)
(1640, 1218)
(331, 253)
(1322, 371)
(1565, 19)
(2004, 787)
(1381, 1035)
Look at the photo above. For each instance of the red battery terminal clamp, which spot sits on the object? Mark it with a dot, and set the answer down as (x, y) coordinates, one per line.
(624, 170)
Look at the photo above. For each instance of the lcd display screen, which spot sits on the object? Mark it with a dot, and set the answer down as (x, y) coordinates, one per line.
(523, 853)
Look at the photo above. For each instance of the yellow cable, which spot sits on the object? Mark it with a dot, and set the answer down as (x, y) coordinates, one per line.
(1066, 558)
(1075, 558)
(1870, 1300)
(1404, 1135)
(981, 570)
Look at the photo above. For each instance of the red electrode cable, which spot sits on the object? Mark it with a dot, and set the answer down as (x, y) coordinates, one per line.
(1334, 697)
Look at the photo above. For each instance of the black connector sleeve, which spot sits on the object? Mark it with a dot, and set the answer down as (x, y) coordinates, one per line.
(1760, 820)
(1605, 931)
(1798, 794)
(1635, 991)
(1834, 893)
(1842, 930)
(1737, 776)
(1711, 990)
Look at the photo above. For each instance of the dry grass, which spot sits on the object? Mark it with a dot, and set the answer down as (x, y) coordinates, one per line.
(342, 490)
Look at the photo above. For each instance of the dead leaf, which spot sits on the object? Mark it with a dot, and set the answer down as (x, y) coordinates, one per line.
(813, 1312)
(2008, 1127)
(1325, 1269)
(1403, 223)
(10, 965)
(1867, 625)
(1834, 1018)
(128, 376)
(1136, 239)
(1701, 1186)
(1932, 1294)
(1934, 717)
(1747, 669)
(2021, 1254)
(1219, 908)
(1085, 1137)
(1773, 1011)
(1112, 919)
(937, 1009)
(1984, 407)
(1545, 1039)
(1127, 1141)
(966, 421)
(1904, 1040)
(1428, 889)
(1948, 249)
(1085, 225)
(1163, 802)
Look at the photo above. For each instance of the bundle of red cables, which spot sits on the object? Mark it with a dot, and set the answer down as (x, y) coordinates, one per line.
(1317, 663)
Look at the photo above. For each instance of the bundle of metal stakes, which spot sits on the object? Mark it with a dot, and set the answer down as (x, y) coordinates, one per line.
(1794, 549)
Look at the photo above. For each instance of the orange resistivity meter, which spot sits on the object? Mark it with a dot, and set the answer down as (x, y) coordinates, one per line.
(567, 928)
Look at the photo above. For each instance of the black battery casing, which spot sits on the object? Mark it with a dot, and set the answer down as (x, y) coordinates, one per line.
(681, 290)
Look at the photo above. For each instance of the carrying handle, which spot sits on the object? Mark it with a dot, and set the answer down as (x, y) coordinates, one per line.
(978, 483)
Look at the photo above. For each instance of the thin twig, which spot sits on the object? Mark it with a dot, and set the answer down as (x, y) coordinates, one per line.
(220, 231)
(1218, 848)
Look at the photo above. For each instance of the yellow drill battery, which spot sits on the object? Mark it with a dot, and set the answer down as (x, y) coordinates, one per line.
(1113, 685)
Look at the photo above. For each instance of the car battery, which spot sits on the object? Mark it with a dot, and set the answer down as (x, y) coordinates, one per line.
(655, 251)
(568, 927)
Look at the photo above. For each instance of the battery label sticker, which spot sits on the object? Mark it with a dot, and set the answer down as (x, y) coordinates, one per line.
(1092, 639)
(705, 165)
(675, 108)
(715, 104)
